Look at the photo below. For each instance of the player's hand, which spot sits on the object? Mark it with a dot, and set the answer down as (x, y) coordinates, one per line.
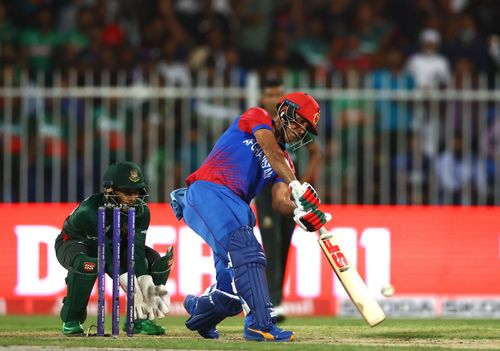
(155, 296)
(141, 309)
(304, 195)
(312, 220)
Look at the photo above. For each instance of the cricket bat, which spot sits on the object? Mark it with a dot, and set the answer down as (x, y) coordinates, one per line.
(350, 279)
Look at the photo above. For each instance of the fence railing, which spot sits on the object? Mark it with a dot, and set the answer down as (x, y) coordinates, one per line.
(384, 142)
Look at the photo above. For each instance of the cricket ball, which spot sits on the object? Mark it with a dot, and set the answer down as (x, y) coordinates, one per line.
(387, 290)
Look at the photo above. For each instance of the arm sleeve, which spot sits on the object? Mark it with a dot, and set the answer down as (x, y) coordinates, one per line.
(254, 119)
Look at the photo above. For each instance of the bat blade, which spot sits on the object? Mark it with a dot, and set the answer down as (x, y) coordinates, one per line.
(351, 280)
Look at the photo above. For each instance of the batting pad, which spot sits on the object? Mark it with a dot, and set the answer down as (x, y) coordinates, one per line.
(248, 262)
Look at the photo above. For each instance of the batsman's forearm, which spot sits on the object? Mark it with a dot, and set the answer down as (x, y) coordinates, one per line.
(279, 164)
(281, 199)
(284, 207)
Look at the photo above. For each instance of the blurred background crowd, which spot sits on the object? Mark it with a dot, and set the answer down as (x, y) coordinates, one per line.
(181, 35)
(400, 149)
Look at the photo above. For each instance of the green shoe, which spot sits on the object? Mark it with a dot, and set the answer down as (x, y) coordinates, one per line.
(146, 327)
(72, 328)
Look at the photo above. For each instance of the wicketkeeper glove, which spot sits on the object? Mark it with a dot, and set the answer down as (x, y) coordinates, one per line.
(141, 309)
(155, 296)
(312, 220)
(304, 195)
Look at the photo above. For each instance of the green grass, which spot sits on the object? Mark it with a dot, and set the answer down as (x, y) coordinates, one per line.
(313, 334)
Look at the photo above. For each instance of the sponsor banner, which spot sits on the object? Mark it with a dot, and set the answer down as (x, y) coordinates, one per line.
(443, 261)
(431, 306)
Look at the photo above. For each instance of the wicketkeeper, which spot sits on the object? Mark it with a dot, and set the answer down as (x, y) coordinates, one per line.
(76, 250)
(249, 155)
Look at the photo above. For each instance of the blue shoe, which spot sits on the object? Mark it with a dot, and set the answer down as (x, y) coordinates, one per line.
(190, 306)
(251, 332)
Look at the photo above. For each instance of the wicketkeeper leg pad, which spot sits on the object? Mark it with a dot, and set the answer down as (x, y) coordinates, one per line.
(211, 308)
(80, 281)
(160, 269)
(248, 261)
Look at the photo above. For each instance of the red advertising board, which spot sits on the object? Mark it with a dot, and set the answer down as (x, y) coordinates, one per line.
(441, 260)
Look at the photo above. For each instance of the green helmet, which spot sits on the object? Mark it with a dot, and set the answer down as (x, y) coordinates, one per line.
(124, 175)
(120, 176)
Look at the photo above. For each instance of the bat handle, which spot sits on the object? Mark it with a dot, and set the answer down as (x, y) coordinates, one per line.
(323, 233)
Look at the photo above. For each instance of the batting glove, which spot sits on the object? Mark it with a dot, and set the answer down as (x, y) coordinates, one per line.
(155, 296)
(304, 195)
(141, 309)
(312, 220)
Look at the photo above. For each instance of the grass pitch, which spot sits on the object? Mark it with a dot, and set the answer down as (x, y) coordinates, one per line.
(34, 333)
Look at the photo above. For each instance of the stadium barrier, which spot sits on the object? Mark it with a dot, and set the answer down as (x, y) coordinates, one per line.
(385, 142)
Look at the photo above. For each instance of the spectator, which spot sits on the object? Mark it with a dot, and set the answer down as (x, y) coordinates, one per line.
(312, 45)
(213, 48)
(353, 115)
(345, 55)
(39, 43)
(254, 33)
(458, 170)
(8, 32)
(411, 167)
(429, 68)
(234, 70)
(76, 41)
(153, 33)
(494, 50)
(467, 43)
(374, 32)
(337, 15)
(174, 71)
(393, 115)
(14, 126)
(281, 60)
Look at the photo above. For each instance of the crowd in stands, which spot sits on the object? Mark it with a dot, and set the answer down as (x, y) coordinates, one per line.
(178, 36)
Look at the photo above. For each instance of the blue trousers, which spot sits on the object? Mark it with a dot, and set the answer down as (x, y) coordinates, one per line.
(214, 212)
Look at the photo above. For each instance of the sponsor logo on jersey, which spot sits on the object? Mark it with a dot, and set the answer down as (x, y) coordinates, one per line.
(259, 153)
(89, 266)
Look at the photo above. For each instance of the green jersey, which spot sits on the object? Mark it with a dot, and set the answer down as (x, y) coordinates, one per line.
(81, 225)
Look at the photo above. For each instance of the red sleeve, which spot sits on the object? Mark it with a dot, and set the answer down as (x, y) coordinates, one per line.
(254, 119)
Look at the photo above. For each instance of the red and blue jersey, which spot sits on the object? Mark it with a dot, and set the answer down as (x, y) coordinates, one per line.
(237, 161)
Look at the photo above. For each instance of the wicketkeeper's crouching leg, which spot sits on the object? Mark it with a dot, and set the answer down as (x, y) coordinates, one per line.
(80, 280)
(248, 262)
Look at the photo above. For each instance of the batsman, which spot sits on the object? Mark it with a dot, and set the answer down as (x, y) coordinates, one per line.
(250, 154)
(124, 187)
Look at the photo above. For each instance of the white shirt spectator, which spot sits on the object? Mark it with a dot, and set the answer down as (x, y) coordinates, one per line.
(429, 68)
(175, 73)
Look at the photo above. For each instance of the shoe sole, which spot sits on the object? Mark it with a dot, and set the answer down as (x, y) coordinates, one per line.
(248, 337)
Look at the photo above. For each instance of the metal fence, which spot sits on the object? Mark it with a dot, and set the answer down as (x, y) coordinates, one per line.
(384, 141)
